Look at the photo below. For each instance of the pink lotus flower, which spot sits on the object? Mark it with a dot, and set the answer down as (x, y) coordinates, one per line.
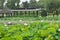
(25, 23)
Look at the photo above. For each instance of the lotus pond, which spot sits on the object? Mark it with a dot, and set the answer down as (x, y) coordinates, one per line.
(30, 31)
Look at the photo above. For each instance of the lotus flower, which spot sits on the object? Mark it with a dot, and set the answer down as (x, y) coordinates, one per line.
(25, 23)
(8, 23)
(20, 20)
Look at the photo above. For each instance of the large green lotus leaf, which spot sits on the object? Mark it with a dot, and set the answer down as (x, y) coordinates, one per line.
(50, 37)
(59, 37)
(7, 38)
(44, 33)
(12, 29)
(17, 37)
(26, 33)
(52, 30)
(36, 38)
(54, 25)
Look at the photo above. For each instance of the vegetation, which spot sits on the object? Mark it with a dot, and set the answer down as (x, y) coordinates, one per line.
(25, 18)
(11, 4)
(31, 31)
(31, 25)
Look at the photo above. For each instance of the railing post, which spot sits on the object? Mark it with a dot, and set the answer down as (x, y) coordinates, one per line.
(25, 13)
(37, 13)
(21, 13)
(33, 13)
(2, 14)
(28, 13)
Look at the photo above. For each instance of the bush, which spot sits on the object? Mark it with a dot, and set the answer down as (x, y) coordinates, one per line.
(44, 13)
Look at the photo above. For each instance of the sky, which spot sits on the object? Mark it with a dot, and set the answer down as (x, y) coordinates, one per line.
(20, 1)
(25, 0)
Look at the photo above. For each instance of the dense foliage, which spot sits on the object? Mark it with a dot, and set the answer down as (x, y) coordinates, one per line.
(11, 4)
(1, 3)
(32, 31)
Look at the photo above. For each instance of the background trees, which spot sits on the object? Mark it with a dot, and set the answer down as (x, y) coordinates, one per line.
(11, 4)
(1, 3)
(48, 4)
(26, 4)
(51, 6)
(33, 4)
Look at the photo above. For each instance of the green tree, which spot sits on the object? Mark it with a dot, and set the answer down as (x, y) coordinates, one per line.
(40, 4)
(1, 3)
(11, 4)
(26, 4)
(33, 3)
(53, 6)
(43, 13)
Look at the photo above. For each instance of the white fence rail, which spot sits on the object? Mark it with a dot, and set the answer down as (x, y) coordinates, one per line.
(22, 9)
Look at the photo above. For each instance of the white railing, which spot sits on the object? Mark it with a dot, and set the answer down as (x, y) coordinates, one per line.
(23, 9)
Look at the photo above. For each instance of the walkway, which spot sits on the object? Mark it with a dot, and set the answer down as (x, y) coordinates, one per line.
(24, 9)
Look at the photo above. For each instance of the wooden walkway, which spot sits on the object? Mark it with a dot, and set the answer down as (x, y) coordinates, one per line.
(24, 9)
(22, 12)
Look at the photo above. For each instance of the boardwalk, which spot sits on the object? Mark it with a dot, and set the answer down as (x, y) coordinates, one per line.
(24, 9)
(14, 12)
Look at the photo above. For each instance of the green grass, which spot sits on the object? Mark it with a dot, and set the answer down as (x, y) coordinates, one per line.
(32, 31)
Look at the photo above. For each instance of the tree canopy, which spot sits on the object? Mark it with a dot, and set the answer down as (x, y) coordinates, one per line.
(49, 5)
(1, 3)
(11, 4)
